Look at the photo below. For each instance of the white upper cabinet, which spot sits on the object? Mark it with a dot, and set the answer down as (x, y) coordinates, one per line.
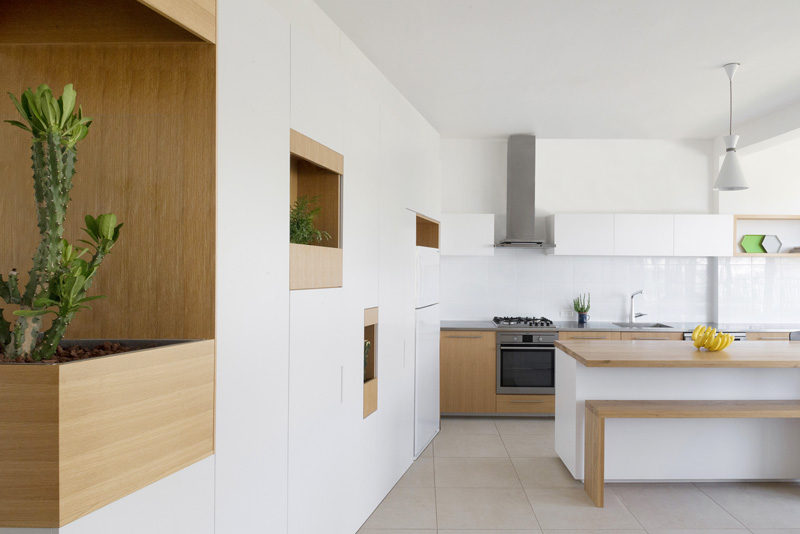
(643, 235)
(582, 234)
(703, 235)
(467, 234)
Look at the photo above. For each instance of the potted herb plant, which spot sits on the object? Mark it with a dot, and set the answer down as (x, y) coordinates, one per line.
(582, 303)
(85, 433)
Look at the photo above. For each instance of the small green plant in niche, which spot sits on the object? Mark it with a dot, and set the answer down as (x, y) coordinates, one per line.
(60, 276)
(301, 222)
(367, 345)
(582, 303)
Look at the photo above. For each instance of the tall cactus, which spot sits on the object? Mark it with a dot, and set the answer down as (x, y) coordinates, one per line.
(60, 277)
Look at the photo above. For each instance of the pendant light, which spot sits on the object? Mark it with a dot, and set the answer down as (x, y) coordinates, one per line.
(731, 177)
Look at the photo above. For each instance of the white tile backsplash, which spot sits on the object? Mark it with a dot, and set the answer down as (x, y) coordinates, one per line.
(528, 282)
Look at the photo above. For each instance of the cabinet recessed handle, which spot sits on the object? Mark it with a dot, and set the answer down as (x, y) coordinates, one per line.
(781, 337)
(584, 337)
(464, 337)
(651, 338)
(526, 402)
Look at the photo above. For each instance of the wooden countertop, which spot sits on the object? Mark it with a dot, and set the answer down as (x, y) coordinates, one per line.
(594, 353)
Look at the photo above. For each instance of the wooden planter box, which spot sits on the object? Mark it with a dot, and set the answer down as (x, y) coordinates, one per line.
(77, 436)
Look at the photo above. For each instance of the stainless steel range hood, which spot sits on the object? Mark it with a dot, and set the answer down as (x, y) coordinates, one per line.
(521, 196)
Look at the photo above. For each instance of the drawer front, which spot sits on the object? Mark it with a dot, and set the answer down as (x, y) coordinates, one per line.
(767, 336)
(526, 404)
(588, 335)
(663, 336)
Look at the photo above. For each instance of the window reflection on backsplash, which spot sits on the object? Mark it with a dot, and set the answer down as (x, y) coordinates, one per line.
(759, 290)
(528, 282)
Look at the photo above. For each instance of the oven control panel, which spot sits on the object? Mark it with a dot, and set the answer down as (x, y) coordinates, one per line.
(549, 337)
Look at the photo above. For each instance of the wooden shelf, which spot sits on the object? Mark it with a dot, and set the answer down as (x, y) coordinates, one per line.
(786, 227)
(370, 365)
(427, 232)
(316, 171)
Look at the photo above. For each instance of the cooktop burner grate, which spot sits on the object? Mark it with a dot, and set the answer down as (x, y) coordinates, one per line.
(527, 322)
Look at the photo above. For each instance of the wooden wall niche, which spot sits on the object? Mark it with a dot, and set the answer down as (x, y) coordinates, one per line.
(427, 232)
(316, 171)
(149, 157)
(370, 365)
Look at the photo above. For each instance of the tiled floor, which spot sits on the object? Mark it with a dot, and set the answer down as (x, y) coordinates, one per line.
(502, 476)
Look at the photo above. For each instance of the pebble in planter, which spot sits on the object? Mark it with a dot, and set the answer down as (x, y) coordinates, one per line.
(60, 276)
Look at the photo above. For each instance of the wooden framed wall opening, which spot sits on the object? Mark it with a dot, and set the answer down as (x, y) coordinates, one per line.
(427, 232)
(146, 72)
(370, 361)
(315, 172)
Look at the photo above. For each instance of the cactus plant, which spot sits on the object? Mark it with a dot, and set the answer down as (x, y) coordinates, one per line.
(59, 277)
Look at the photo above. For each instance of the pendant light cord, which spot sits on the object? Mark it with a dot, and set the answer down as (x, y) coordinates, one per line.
(730, 125)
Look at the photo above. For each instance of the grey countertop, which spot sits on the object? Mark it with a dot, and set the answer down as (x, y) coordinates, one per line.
(572, 326)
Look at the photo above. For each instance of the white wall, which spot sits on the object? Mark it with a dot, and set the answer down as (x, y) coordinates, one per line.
(773, 174)
(294, 452)
(628, 176)
(582, 176)
(252, 294)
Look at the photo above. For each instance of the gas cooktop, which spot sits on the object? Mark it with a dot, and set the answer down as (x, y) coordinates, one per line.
(522, 322)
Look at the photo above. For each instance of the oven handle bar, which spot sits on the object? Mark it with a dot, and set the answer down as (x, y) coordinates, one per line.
(527, 347)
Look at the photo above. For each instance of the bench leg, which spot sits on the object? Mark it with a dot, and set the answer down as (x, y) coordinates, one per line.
(594, 457)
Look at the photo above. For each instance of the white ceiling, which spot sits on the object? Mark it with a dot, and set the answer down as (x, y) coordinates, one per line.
(581, 68)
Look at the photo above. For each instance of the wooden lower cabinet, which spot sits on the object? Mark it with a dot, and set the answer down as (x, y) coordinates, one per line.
(526, 404)
(664, 336)
(468, 371)
(589, 334)
(767, 336)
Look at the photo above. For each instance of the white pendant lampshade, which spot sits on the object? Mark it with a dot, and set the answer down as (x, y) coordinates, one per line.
(731, 176)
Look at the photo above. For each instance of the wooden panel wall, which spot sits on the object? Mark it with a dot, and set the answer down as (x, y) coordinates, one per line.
(427, 232)
(76, 21)
(307, 179)
(149, 158)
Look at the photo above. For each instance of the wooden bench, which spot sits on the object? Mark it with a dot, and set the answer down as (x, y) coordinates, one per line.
(597, 411)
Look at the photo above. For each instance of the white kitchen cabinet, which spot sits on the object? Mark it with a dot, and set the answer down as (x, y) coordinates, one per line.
(644, 234)
(582, 234)
(703, 235)
(467, 234)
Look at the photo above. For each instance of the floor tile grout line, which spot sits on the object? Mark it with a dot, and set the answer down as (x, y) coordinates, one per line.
(718, 504)
(625, 506)
(519, 479)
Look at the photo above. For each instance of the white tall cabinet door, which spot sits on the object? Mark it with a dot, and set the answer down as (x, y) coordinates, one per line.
(704, 235)
(467, 234)
(583, 234)
(426, 383)
(643, 235)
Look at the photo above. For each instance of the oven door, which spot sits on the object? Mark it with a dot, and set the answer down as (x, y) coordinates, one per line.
(526, 369)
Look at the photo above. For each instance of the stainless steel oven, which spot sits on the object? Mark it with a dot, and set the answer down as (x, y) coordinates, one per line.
(526, 363)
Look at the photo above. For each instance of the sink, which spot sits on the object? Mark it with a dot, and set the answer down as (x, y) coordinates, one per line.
(642, 325)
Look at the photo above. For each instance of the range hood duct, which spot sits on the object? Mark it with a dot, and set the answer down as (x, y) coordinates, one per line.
(521, 199)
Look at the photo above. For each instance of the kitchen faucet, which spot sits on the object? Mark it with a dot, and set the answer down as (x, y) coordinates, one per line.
(634, 315)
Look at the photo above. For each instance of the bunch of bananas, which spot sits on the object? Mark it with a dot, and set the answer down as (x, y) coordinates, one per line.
(704, 336)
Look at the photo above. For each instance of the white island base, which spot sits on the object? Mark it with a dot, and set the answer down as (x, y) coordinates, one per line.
(679, 449)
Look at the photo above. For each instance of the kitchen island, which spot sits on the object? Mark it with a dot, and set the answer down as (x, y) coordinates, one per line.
(680, 449)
